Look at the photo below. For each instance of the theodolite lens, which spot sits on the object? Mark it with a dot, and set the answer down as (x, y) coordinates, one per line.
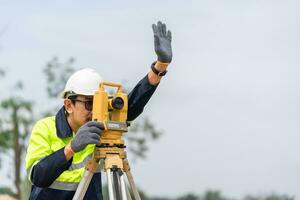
(117, 103)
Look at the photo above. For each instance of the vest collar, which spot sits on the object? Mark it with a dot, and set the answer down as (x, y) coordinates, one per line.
(63, 129)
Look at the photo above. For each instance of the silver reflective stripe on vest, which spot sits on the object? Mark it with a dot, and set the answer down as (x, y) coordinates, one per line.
(82, 164)
(68, 186)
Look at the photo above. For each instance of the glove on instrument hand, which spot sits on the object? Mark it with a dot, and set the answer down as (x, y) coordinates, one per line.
(89, 133)
(162, 42)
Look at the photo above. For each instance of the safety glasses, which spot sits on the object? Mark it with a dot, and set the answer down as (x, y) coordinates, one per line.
(87, 104)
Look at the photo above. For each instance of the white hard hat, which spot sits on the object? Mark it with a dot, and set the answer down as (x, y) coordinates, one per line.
(83, 82)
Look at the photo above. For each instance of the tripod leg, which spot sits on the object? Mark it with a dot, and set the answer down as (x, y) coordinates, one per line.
(132, 185)
(123, 187)
(83, 185)
(110, 185)
(128, 193)
(116, 183)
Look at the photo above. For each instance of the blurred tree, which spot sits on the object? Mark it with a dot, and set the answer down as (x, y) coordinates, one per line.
(269, 197)
(212, 195)
(15, 122)
(57, 74)
(6, 190)
(140, 134)
(2, 72)
(144, 196)
(250, 197)
(279, 197)
(189, 196)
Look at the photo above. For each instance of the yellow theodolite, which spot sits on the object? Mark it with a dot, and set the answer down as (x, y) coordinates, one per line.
(112, 112)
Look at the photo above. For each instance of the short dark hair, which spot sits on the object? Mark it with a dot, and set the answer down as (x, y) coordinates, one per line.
(73, 98)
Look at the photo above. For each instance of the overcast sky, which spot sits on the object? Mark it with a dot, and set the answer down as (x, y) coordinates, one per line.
(229, 105)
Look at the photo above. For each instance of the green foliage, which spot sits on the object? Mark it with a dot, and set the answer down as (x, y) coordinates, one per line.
(5, 139)
(15, 122)
(140, 135)
(57, 74)
(189, 196)
(209, 195)
(144, 196)
(17, 117)
(6, 190)
(213, 195)
(279, 197)
(269, 197)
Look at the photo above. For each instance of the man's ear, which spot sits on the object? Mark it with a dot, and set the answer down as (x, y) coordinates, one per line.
(68, 106)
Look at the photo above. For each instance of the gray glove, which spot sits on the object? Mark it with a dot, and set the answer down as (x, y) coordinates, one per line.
(162, 42)
(89, 133)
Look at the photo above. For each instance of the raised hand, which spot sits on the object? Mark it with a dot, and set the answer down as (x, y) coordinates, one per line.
(162, 42)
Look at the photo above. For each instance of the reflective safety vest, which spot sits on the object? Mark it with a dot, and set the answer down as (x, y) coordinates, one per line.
(44, 141)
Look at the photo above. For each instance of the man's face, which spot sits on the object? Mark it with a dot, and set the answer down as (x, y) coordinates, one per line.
(80, 110)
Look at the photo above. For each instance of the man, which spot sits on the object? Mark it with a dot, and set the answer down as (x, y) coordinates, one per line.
(60, 145)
